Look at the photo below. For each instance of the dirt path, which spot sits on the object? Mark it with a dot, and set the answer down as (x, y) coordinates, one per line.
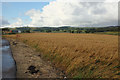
(29, 63)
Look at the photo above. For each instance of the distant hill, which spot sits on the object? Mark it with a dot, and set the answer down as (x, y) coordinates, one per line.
(67, 29)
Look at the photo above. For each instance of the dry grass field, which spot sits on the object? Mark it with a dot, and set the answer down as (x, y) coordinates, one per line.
(79, 55)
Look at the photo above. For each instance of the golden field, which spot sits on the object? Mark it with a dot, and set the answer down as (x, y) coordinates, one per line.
(79, 55)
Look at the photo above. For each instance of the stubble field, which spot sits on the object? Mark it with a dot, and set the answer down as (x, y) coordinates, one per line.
(79, 55)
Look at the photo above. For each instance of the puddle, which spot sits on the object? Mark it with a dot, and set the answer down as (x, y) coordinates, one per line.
(8, 63)
(4, 47)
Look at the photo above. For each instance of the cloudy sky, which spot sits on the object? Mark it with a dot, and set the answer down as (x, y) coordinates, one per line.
(59, 13)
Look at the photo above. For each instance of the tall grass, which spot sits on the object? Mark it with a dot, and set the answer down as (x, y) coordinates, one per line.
(79, 55)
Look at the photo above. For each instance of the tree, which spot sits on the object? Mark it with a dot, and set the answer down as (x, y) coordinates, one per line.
(64, 31)
(72, 31)
(87, 31)
(79, 31)
(48, 31)
(5, 29)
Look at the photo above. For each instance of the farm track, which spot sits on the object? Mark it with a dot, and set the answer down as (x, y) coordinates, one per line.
(29, 63)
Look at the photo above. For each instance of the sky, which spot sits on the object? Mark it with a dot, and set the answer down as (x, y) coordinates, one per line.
(59, 13)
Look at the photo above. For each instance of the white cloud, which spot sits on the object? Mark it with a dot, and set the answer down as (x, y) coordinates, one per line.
(36, 17)
(18, 23)
(75, 13)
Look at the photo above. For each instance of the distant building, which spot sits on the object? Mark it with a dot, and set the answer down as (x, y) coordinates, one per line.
(19, 31)
(14, 31)
(23, 30)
